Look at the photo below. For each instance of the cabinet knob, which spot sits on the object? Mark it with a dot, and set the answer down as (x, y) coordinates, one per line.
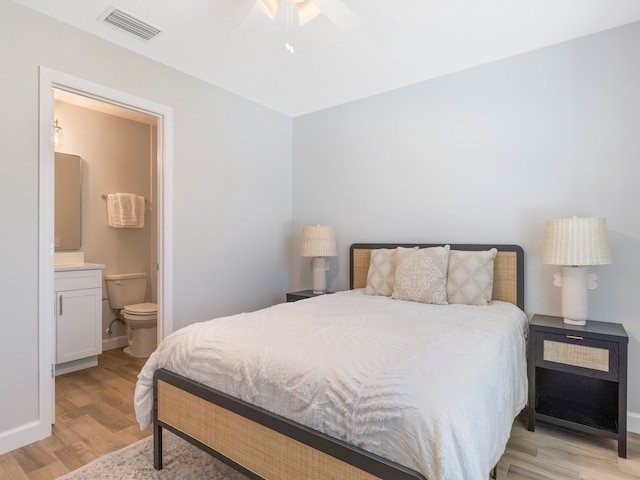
(575, 337)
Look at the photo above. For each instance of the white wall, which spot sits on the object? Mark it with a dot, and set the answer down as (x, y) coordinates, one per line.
(487, 155)
(232, 191)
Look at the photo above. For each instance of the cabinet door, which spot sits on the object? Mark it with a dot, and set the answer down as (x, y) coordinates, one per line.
(78, 332)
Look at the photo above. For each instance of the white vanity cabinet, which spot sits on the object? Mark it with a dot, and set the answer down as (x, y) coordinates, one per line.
(78, 318)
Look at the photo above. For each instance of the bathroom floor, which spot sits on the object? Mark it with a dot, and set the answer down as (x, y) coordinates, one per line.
(94, 416)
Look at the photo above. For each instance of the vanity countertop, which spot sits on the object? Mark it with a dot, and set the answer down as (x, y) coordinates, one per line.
(78, 266)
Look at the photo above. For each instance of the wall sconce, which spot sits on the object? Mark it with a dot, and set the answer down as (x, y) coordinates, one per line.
(575, 243)
(56, 132)
(319, 242)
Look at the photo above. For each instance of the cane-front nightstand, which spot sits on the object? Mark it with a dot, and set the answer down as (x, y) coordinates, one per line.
(578, 377)
(302, 294)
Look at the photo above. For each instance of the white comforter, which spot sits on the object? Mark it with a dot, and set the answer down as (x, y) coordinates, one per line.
(432, 387)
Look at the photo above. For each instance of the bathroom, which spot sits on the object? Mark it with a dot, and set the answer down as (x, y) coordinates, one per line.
(117, 148)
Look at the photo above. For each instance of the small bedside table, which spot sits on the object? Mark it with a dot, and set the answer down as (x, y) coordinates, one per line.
(302, 294)
(578, 377)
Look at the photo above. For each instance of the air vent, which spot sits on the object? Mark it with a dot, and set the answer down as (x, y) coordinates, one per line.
(130, 23)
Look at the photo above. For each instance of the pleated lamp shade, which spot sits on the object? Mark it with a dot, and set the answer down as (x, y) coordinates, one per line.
(577, 242)
(318, 241)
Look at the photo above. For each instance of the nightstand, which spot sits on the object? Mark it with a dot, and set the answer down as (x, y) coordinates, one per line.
(302, 294)
(578, 377)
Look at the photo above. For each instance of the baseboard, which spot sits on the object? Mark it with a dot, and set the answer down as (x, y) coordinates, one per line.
(113, 343)
(633, 422)
(75, 365)
(23, 435)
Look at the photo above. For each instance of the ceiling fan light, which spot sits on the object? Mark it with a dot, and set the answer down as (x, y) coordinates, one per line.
(307, 10)
(270, 7)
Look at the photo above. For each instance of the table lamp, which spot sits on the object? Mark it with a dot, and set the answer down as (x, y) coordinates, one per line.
(576, 243)
(319, 242)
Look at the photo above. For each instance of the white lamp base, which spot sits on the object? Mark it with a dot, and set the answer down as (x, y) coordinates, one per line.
(575, 304)
(581, 323)
(319, 266)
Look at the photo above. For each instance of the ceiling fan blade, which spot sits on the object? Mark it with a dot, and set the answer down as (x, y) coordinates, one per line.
(270, 7)
(307, 11)
(254, 15)
(338, 13)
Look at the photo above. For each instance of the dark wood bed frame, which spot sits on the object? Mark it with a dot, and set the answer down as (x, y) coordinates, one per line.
(263, 445)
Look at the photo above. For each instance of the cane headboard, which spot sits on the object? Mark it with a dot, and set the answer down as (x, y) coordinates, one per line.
(508, 272)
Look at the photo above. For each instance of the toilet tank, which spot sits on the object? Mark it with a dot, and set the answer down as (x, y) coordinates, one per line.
(126, 289)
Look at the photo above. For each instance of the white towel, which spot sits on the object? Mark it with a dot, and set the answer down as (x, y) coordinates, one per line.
(125, 210)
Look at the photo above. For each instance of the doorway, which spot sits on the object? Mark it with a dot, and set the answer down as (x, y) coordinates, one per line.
(50, 80)
(101, 149)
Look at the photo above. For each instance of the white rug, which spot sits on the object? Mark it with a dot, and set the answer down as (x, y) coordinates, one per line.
(181, 461)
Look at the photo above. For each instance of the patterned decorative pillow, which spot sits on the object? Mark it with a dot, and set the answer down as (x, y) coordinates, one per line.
(421, 275)
(470, 279)
(382, 272)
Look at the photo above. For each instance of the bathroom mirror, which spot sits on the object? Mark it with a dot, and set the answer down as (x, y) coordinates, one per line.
(68, 201)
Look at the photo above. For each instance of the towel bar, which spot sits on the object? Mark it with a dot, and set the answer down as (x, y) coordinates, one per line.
(104, 197)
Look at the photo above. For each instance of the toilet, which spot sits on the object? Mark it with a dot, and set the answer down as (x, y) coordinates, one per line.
(126, 293)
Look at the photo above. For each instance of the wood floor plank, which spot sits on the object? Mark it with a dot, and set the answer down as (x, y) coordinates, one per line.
(521, 472)
(107, 416)
(53, 470)
(631, 464)
(526, 466)
(75, 456)
(97, 437)
(32, 457)
(10, 469)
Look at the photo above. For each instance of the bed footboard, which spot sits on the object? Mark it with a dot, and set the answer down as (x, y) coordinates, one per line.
(255, 441)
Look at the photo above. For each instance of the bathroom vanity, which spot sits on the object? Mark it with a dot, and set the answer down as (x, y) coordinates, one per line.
(78, 316)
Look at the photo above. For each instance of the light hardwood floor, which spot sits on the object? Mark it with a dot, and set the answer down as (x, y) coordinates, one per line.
(551, 453)
(94, 416)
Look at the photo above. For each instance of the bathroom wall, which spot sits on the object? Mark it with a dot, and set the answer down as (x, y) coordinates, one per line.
(118, 155)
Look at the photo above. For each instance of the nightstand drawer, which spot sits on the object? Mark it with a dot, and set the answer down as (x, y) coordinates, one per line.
(577, 354)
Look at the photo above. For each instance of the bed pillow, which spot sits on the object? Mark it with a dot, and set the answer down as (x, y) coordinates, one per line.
(470, 277)
(421, 275)
(382, 272)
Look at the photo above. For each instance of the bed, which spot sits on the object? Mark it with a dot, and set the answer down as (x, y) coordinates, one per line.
(404, 389)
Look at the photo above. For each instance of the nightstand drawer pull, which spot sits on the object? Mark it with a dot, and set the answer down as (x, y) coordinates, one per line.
(576, 355)
(575, 337)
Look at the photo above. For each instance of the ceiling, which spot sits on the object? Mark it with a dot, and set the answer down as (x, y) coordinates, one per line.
(232, 44)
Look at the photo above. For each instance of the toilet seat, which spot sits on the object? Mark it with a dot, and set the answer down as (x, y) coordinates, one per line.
(141, 309)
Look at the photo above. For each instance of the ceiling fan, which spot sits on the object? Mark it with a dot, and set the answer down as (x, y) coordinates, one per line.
(334, 10)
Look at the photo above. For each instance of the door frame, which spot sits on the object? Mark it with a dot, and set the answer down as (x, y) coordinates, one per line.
(50, 79)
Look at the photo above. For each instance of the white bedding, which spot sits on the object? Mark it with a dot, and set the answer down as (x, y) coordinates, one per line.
(432, 387)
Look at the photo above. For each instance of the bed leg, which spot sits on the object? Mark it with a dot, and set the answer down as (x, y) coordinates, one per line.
(494, 473)
(157, 446)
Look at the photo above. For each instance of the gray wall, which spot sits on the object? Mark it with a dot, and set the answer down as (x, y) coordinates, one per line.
(488, 155)
(232, 190)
